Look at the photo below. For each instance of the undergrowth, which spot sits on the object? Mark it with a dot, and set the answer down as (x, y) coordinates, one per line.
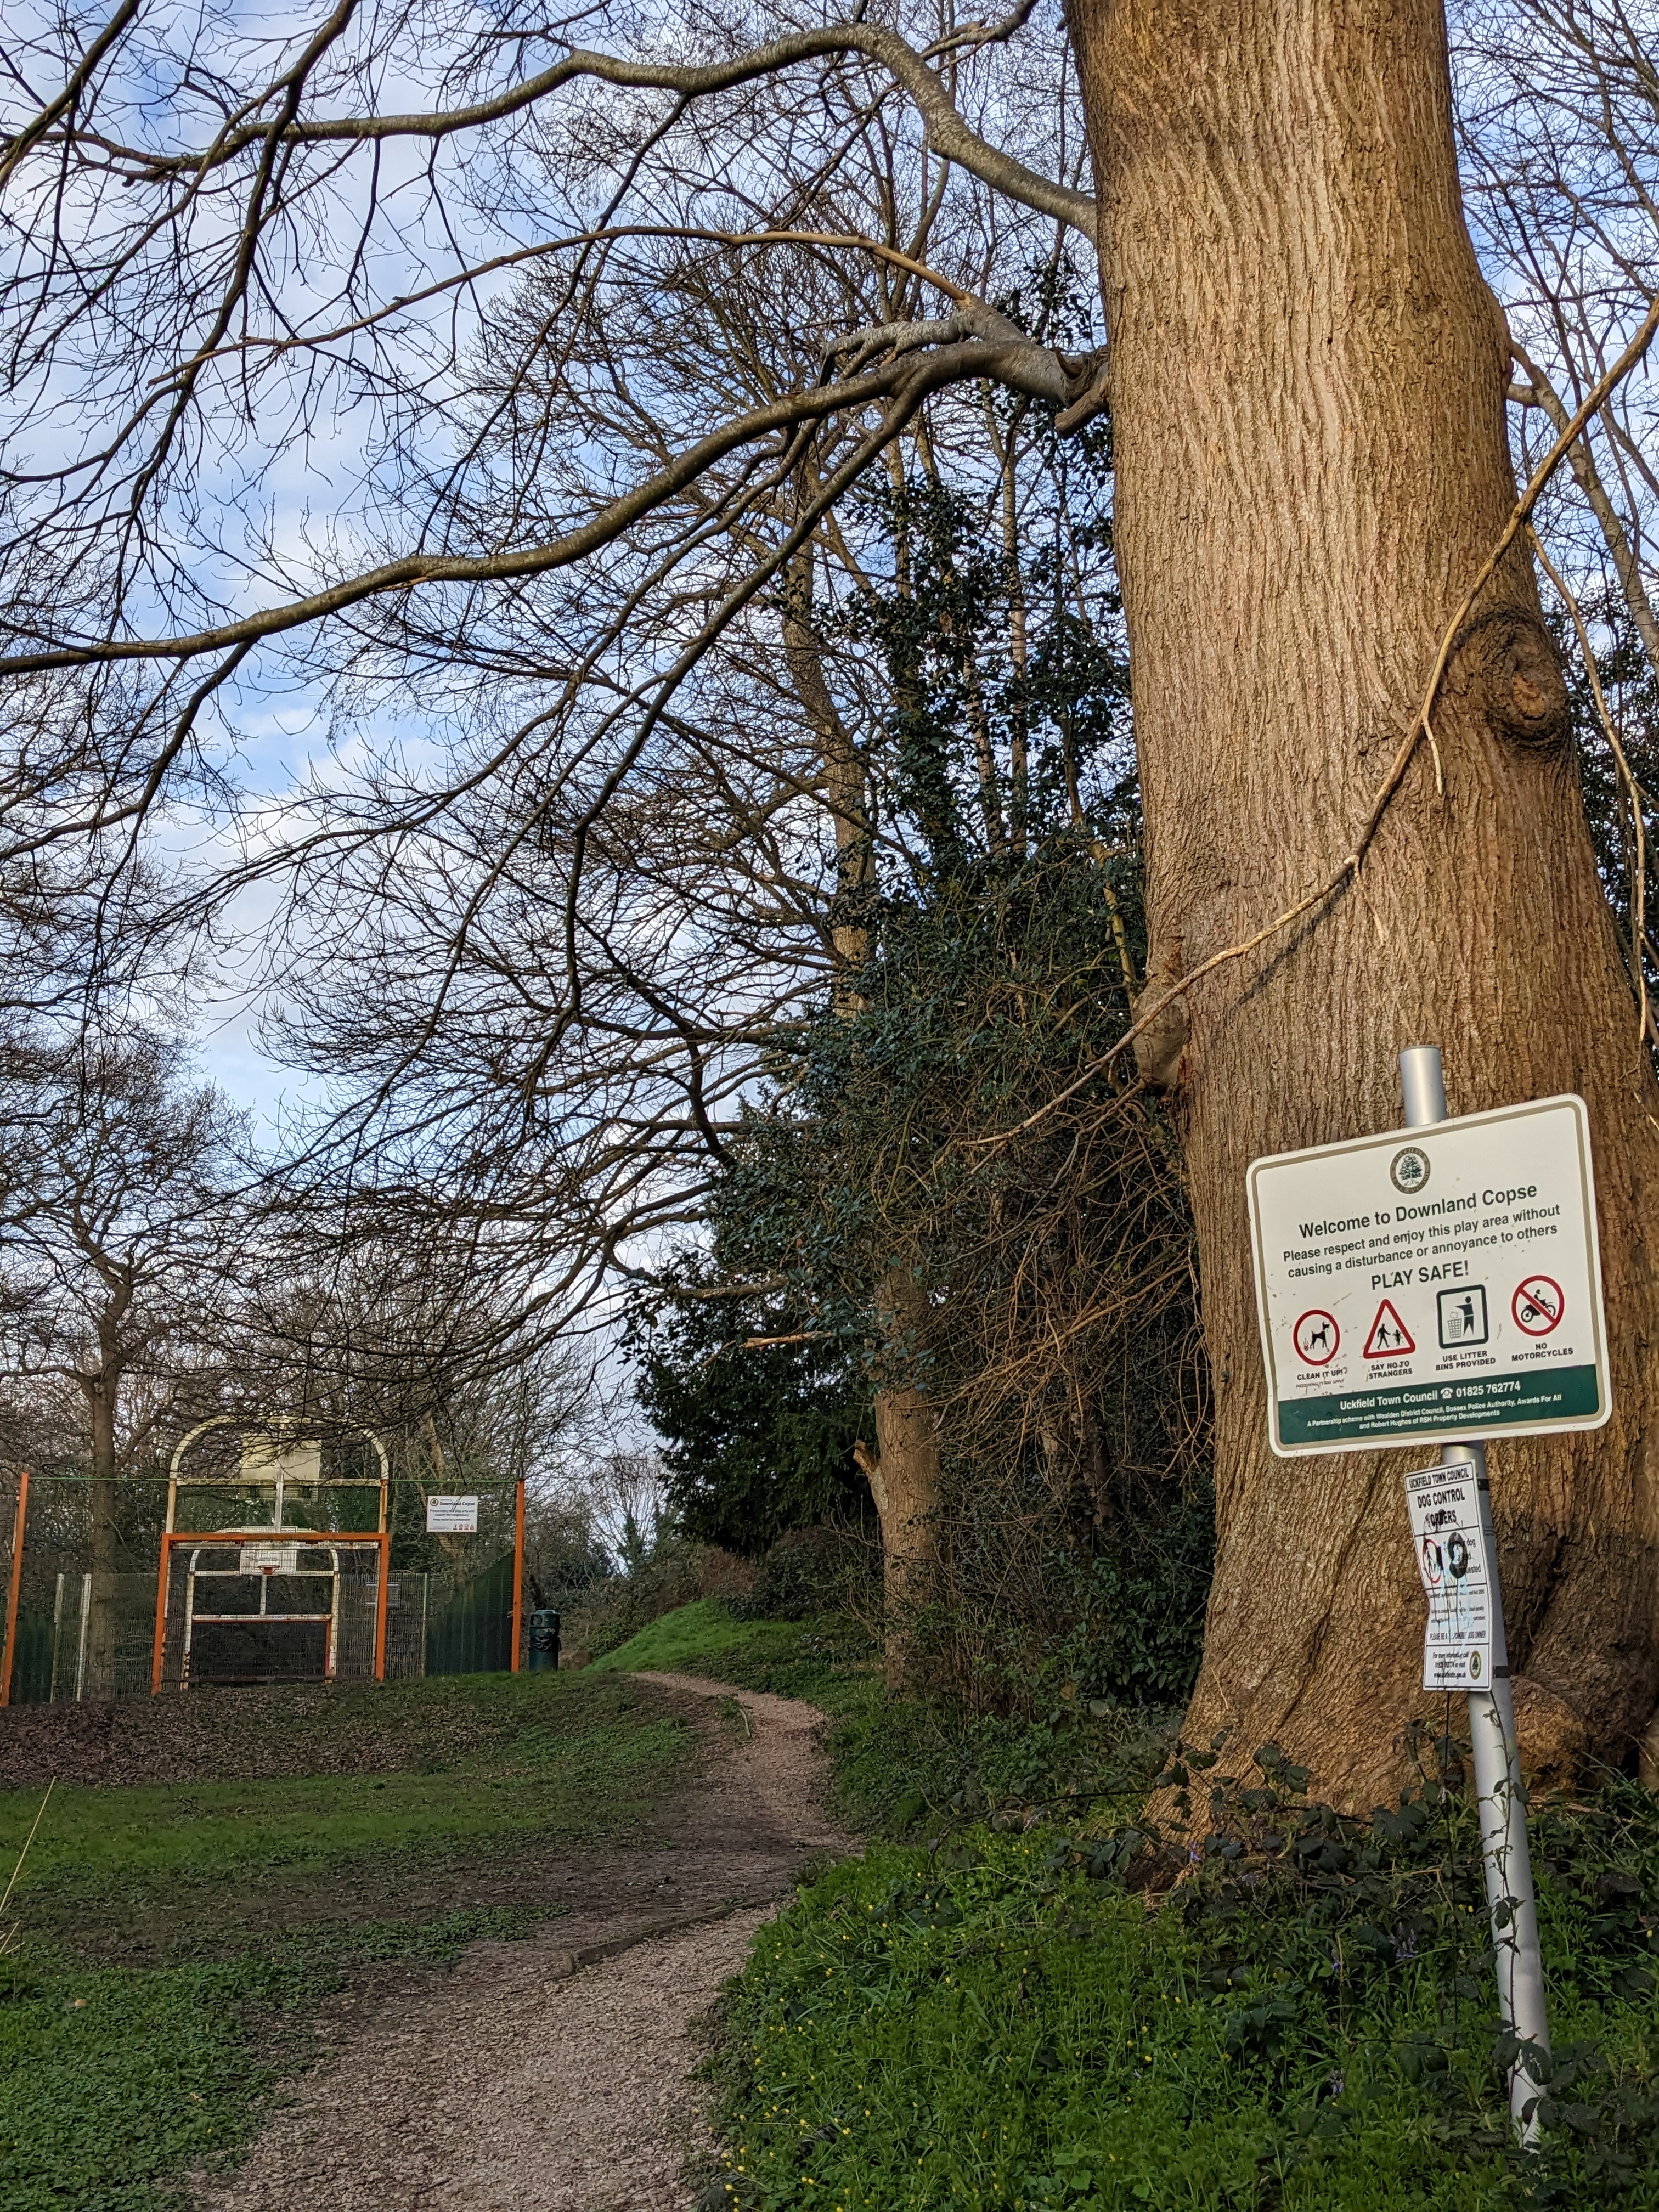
(998, 2018)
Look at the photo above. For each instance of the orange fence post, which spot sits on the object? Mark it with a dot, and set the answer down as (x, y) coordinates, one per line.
(15, 1588)
(517, 1570)
(158, 1647)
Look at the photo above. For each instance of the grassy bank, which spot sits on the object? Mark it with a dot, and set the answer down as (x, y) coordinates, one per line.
(704, 1638)
(995, 2018)
(173, 1935)
(989, 2028)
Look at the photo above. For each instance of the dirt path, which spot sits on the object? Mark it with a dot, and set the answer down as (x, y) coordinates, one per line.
(547, 2077)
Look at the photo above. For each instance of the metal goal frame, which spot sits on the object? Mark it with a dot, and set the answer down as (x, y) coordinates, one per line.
(264, 1539)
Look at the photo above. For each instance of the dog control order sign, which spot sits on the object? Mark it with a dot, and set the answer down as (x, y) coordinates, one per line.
(1432, 1284)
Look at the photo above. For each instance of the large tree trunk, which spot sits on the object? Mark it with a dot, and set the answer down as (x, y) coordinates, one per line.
(1307, 377)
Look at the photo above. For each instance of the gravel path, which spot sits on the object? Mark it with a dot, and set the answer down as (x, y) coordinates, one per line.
(546, 2076)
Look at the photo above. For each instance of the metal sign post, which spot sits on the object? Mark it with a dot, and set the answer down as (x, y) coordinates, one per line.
(1432, 1293)
(1500, 1799)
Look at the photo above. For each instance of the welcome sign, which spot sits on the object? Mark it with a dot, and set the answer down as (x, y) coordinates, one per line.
(1432, 1284)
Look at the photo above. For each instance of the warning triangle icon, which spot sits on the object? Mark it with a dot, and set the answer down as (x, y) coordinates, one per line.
(1389, 1338)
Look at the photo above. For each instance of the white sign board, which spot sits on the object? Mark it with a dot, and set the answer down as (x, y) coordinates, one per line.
(262, 1558)
(452, 1516)
(1431, 1284)
(1444, 1504)
(297, 1460)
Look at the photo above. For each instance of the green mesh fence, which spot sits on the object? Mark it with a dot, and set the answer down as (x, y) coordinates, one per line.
(271, 1572)
(83, 1625)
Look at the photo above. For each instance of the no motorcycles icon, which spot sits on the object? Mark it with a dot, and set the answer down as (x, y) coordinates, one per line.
(1538, 1304)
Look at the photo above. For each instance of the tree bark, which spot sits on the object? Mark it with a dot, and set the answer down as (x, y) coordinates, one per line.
(904, 1476)
(903, 1470)
(1308, 387)
(103, 1612)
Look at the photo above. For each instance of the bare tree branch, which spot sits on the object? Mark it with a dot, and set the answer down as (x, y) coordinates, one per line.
(1038, 371)
(1582, 462)
(948, 134)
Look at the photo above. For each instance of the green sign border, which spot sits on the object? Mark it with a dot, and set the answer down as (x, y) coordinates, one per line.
(1546, 1395)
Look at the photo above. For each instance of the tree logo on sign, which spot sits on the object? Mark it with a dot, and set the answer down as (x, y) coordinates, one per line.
(1409, 1171)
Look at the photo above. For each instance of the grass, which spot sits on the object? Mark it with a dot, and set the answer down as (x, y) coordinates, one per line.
(987, 2039)
(701, 1637)
(110, 2082)
(994, 2020)
(986, 2027)
(155, 1871)
(174, 1939)
(115, 2080)
(991, 2029)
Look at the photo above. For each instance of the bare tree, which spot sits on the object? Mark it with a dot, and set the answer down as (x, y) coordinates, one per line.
(726, 882)
(1363, 821)
(117, 1241)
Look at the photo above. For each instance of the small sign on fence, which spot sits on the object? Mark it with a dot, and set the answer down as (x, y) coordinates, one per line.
(452, 1516)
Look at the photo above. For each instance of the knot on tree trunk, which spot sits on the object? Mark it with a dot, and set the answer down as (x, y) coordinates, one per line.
(1161, 1043)
(1506, 665)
